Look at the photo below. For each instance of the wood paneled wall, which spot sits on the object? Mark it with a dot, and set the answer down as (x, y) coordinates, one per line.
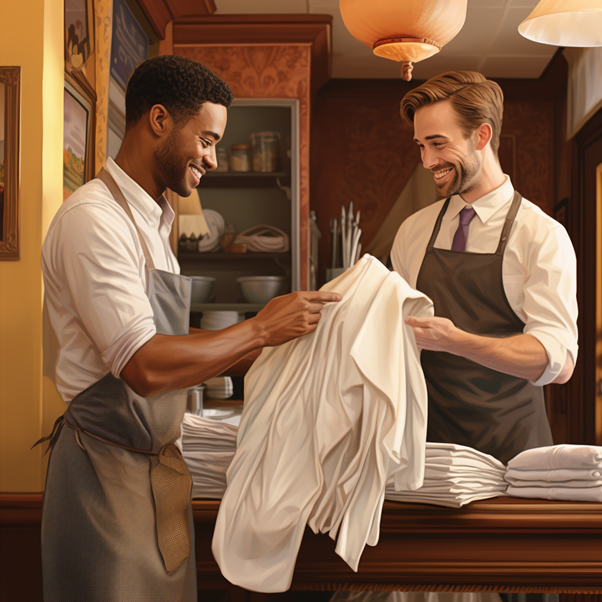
(363, 151)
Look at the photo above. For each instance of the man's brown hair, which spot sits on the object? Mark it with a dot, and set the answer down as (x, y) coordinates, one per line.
(475, 99)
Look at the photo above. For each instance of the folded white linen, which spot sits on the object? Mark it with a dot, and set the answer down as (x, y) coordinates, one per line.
(579, 483)
(551, 476)
(558, 456)
(571, 494)
(326, 419)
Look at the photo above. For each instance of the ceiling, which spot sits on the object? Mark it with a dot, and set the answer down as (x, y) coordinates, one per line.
(489, 42)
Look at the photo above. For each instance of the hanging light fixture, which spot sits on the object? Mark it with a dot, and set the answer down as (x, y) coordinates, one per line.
(565, 23)
(405, 31)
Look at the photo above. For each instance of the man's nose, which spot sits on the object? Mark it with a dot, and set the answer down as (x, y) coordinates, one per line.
(428, 158)
(210, 159)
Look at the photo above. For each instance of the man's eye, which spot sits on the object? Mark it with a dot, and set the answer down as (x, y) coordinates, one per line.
(206, 143)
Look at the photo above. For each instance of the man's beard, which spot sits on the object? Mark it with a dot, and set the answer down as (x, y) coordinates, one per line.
(170, 166)
(464, 176)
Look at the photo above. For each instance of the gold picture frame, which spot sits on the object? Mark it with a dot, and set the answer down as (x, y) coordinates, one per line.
(78, 135)
(10, 81)
(80, 47)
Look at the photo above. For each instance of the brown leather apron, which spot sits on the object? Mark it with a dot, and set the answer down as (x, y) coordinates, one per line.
(470, 404)
(117, 516)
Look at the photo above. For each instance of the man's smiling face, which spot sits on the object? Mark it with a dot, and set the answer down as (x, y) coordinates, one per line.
(445, 150)
(189, 149)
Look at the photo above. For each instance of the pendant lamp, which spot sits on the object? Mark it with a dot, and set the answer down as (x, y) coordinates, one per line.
(404, 30)
(565, 23)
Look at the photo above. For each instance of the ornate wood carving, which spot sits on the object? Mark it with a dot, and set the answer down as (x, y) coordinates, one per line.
(160, 12)
(279, 71)
(313, 31)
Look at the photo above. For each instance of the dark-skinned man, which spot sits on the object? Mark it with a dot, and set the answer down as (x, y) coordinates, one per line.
(117, 519)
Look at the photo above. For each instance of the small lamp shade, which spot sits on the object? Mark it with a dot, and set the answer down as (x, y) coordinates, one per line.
(404, 30)
(565, 23)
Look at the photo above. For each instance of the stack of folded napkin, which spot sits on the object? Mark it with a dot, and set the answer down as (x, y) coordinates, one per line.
(454, 475)
(208, 446)
(558, 472)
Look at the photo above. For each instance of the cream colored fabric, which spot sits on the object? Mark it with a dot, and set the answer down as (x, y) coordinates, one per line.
(455, 475)
(328, 419)
(558, 472)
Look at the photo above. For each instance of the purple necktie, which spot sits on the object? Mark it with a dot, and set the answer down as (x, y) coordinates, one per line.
(459, 243)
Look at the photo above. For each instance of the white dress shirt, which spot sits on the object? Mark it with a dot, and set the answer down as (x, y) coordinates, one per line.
(95, 278)
(539, 268)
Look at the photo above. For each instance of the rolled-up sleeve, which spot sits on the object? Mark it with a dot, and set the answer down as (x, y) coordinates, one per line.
(551, 300)
(99, 259)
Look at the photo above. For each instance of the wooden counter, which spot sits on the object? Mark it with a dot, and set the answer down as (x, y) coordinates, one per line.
(503, 544)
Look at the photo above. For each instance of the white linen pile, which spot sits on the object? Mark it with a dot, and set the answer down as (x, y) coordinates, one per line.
(455, 475)
(327, 419)
(558, 472)
(208, 446)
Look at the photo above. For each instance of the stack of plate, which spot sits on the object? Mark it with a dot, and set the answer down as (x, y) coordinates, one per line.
(216, 224)
(216, 320)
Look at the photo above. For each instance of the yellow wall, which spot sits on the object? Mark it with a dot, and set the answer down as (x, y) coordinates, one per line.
(31, 36)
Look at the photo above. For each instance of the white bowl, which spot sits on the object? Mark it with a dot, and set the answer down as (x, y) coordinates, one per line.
(260, 289)
(202, 287)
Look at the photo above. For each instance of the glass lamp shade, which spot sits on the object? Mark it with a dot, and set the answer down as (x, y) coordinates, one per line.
(565, 23)
(404, 30)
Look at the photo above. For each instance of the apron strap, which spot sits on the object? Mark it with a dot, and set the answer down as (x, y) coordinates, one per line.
(109, 181)
(510, 217)
(437, 227)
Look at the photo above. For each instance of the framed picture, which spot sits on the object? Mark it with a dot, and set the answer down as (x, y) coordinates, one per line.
(78, 135)
(10, 78)
(129, 46)
(79, 42)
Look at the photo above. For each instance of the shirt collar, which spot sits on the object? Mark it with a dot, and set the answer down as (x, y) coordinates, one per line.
(487, 205)
(139, 199)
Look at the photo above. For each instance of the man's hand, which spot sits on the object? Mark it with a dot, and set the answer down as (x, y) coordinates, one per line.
(434, 334)
(521, 355)
(293, 315)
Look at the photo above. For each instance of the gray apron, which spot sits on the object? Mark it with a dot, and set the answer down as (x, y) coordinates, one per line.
(117, 518)
(470, 404)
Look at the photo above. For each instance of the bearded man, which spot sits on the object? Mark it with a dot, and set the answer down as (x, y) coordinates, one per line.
(501, 274)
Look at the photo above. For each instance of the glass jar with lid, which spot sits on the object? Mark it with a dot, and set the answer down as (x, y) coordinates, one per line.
(223, 162)
(239, 157)
(266, 151)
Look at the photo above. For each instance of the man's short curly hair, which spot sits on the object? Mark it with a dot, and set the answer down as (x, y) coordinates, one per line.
(178, 83)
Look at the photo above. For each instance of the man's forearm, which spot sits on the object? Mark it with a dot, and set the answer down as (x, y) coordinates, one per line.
(522, 355)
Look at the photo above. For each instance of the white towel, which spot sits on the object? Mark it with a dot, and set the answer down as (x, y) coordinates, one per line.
(326, 419)
(574, 494)
(578, 483)
(557, 457)
(551, 476)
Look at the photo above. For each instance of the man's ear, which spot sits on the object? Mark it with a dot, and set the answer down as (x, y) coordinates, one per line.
(159, 120)
(482, 135)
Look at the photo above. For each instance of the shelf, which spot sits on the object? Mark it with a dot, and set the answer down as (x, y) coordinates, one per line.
(243, 179)
(191, 257)
(239, 307)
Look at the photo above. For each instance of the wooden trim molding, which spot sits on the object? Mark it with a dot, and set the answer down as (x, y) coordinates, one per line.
(160, 12)
(502, 545)
(314, 31)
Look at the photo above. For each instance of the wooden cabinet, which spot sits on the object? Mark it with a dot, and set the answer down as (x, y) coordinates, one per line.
(245, 199)
(268, 57)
